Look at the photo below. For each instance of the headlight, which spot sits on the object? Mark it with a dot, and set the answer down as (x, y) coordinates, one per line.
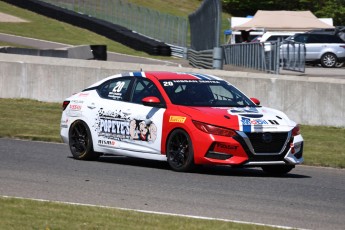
(215, 130)
(296, 131)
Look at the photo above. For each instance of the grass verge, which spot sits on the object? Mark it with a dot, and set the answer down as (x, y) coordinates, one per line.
(34, 120)
(45, 28)
(30, 214)
(41, 27)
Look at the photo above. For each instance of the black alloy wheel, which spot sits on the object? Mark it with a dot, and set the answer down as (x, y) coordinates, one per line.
(180, 151)
(80, 142)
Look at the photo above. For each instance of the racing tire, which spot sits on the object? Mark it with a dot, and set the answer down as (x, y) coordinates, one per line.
(80, 142)
(180, 152)
(328, 60)
(277, 170)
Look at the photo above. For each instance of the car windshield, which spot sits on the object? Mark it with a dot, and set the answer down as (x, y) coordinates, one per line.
(213, 93)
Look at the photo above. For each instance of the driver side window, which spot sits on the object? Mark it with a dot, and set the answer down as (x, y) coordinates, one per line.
(116, 89)
(145, 88)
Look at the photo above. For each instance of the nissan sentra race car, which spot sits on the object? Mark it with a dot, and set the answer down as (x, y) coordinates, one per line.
(186, 119)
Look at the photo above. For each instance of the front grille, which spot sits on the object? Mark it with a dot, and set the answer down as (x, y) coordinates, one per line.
(270, 143)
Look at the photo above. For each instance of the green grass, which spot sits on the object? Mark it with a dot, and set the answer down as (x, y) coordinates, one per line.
(324, 146)
(29, 119)
(41, 27)
(12, 45)
(29, 214)
(34, 120)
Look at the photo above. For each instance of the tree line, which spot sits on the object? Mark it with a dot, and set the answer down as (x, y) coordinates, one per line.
(320, 8)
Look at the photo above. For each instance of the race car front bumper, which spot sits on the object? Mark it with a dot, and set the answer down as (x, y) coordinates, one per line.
(246, 150)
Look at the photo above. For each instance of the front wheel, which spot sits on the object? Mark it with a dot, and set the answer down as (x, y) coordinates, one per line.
(328, 60)
(277, 170)
(80, 142)
(180, 151)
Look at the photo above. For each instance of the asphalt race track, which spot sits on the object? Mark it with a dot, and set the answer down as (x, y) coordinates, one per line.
(309, 197)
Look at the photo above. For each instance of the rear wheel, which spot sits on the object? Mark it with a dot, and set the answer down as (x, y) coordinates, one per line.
(180, 151)
(328, 60)
(80, 142)
(277, 170)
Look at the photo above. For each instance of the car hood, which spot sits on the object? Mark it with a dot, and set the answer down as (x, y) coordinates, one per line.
(247, 119)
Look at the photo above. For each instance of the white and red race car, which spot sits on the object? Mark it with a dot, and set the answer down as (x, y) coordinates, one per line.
(186, 119)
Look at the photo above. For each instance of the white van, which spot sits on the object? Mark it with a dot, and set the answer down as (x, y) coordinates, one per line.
(273, 36)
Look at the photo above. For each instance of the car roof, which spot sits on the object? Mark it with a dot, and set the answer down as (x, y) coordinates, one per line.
(160, 75)
(180, 76)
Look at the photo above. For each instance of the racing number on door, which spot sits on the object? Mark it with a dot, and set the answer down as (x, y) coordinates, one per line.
(168, 83)
(118, 87)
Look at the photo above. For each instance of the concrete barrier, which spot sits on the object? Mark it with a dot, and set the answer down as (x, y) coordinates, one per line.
(307, 100)
(84, 52)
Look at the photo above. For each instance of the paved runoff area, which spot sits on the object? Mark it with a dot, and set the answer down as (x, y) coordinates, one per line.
(10, 18)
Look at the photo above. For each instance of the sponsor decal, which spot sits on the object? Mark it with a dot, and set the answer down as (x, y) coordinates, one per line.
(117, 125)
(83, 94)
(242, 110)
(64, 123)
(74, 113)
(143, 130)
(116, 93)
(77, 101)
(246, 124)
(170, 83)
(247, 121)
(177, 119)
(261, 128)
(226, 146)
(75, 107)
(107, 142)
(185, 81)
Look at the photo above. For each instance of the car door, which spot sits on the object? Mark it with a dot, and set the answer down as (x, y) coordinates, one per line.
(314, 47)
(109, 117)
(122, 124)
(310, 47)
(146, 122)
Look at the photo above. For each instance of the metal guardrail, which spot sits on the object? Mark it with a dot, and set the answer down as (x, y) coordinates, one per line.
(266, 56)
(163, 27)
(201, 59)
(247, 55)
(178, 51)
(293, 56)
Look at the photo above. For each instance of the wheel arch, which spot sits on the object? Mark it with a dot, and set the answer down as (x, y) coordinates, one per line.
(180, 157)
(90, 153)
(168, 136)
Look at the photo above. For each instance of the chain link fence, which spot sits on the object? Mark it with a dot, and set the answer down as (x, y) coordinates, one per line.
(205, 24)
(163, 27)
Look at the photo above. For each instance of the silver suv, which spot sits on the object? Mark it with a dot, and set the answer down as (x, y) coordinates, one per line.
(325, 49)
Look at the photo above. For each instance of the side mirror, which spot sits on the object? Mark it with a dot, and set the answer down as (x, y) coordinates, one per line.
(255, 100)
(151, 101)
